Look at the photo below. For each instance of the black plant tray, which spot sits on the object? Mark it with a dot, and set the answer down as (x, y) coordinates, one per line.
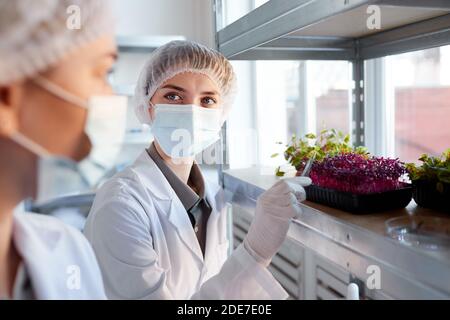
(429, 194)
(360, 203)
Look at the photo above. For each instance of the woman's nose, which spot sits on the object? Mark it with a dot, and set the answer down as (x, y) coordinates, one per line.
(192, 100)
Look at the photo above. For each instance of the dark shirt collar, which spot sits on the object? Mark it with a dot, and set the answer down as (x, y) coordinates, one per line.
(186, 195)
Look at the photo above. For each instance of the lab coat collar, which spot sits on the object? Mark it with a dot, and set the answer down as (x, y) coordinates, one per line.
(187, 196)
(214, 195)
(152, 178)
(40, 258)
(49, 250)
(214, 235)
(156, 184)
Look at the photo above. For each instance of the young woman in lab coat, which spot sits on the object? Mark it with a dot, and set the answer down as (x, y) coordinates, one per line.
(47, 73)
(159, 228)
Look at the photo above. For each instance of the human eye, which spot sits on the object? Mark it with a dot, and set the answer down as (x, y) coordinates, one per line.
(172, 96)
(208, 101)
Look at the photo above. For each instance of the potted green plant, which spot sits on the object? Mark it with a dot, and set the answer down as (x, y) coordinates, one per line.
(431, 181)
(348, 178)
(327, 143)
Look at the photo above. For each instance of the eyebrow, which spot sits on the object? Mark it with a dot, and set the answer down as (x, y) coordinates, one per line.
(211, 93)
(171, 86)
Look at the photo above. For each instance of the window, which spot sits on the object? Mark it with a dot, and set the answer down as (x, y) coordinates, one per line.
(415, 109)
(233, 10)
(298, 97)
(282, 98)
(330, 89)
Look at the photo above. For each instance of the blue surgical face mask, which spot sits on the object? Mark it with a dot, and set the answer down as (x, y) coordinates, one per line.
(183, 131)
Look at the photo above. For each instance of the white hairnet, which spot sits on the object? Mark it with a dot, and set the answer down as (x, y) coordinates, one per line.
(37, 34)
(179, 57)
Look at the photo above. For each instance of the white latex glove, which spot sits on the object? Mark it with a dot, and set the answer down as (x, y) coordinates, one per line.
(274, 210)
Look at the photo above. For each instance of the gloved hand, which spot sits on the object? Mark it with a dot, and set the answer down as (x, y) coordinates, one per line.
(274, 210)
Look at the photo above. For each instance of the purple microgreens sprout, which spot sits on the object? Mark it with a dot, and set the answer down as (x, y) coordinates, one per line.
(358, 174)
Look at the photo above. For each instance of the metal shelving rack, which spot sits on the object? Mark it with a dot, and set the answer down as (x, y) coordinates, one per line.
(335, 30)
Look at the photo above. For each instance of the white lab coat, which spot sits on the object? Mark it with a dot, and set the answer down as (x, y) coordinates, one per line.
(59, 261)
(147, 248)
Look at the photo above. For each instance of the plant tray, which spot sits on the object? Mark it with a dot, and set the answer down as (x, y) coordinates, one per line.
(360, 203)
(427, 194)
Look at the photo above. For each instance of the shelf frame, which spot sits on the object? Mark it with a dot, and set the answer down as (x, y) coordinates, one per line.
(434, 32)
(268, 28)
(266, 34)
(276, 19)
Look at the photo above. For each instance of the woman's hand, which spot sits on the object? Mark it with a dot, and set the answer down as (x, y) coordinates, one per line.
(274, 210)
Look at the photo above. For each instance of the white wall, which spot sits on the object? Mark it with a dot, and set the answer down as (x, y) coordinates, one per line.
(190, 18)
